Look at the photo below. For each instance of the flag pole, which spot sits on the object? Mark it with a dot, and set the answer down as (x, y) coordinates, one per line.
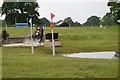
(51, 26)
(53, 45)
(32, 47)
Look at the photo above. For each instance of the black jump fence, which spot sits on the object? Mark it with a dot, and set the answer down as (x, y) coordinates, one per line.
(49, 36)
(22, 39)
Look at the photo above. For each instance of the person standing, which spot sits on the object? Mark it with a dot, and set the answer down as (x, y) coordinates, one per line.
(41, 34)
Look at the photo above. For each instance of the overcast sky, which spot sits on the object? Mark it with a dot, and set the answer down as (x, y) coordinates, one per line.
(78, 10)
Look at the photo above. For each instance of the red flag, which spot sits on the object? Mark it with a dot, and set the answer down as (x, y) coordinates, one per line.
(52, 15)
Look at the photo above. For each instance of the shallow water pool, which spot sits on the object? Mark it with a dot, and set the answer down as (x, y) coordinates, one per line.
(108, 55)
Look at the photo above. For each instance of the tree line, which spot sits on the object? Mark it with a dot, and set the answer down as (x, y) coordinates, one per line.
(23, 11)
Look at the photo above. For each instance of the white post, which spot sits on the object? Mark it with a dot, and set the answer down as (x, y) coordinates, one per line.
(32, 47)
(53, 45)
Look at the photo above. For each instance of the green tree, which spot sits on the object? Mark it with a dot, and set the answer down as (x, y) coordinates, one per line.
(114, 9)
(92, 21)
(77, 24)
(44, 21)
(69, 20)
(107, 19)
(59, 21)
(21, 11)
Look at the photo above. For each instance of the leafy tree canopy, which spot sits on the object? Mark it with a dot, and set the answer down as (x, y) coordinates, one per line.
(77, 24)
(92, 21)
(44, 21)
(69, 20)
(21, 11)
(107, 19)
(114, 9)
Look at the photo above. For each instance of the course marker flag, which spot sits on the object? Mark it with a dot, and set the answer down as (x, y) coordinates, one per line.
(51, 26)
(52, 16)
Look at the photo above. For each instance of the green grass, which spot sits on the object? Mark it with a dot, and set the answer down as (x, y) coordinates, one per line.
(0, 62)
(0, 55)
(20, 63)
(79, 39)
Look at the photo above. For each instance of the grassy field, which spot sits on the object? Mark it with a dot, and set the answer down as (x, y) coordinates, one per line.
(79, 39)
(20, 63)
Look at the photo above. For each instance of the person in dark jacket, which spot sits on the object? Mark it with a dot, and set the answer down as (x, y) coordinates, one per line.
(41, 34)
